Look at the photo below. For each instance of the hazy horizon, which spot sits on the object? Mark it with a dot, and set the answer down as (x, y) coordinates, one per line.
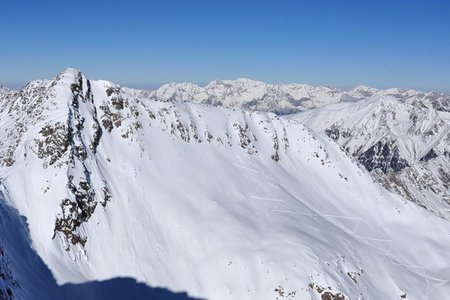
(153, 86)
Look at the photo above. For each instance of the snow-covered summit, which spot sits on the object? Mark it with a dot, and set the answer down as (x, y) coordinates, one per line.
(363, 91)
(69, 72)
(3, 88)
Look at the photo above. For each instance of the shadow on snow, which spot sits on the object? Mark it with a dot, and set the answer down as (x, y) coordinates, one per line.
(23, 274)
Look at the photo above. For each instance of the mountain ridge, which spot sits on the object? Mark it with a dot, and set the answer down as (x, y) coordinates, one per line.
(403, 143)
(279, 98)
(222, 203)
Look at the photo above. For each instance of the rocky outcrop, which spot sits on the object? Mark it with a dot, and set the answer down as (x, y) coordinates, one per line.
(82, 143)
(384, 155)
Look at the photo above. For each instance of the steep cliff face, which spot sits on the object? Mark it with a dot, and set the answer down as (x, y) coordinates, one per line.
(219, 202)
(404, 144)
(56, 121)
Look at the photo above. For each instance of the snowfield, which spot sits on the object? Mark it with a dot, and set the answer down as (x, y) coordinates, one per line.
(220, 203)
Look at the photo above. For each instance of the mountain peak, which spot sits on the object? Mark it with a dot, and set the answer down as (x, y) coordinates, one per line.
(363, 88)
(70, 71)
(248, 81)
(68, 74)
(3, 88)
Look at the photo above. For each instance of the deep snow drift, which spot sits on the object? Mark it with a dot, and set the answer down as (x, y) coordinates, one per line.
(220, 203)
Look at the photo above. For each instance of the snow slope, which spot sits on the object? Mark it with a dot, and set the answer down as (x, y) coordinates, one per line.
(405, 144)
(23, 275)
(220, 203)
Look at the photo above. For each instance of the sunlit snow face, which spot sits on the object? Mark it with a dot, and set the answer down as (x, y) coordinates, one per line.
(220, 202)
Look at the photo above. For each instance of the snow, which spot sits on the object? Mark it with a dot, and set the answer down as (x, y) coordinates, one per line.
(416, 128)
(3, 89)
(280, 98)
(220, 218)
(252, 94)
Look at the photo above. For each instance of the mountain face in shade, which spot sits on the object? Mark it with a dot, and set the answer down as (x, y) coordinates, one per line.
(214, 202)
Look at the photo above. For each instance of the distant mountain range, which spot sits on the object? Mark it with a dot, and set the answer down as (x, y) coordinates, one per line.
(280, 98)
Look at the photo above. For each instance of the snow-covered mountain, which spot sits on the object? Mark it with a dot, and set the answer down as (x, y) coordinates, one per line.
(220, 203)
(422, 181)
(3, 89)
(403, 141)
(278, 98)
(250, 95)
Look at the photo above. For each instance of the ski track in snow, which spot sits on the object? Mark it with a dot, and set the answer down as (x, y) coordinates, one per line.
(353, 232)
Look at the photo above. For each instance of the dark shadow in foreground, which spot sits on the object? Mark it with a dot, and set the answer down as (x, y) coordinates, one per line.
(23, 274)
(119, 288)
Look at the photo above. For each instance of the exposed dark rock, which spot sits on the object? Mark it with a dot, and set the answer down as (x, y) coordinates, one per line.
(276, 147)
(286, 111)
(109, 91)
(117, 102)
(106, 196)
(298, 102)
(76, 212)
(384, 156)
(250, 105)
(325, 293)
(245, 140)
(78, 208)
(55, 142)
(331, 296)
(282, 293)
(98, 132)
(431, 154)
(334, 132)
(354, 276)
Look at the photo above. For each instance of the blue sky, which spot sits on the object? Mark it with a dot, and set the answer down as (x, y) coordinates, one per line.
(345, 43)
